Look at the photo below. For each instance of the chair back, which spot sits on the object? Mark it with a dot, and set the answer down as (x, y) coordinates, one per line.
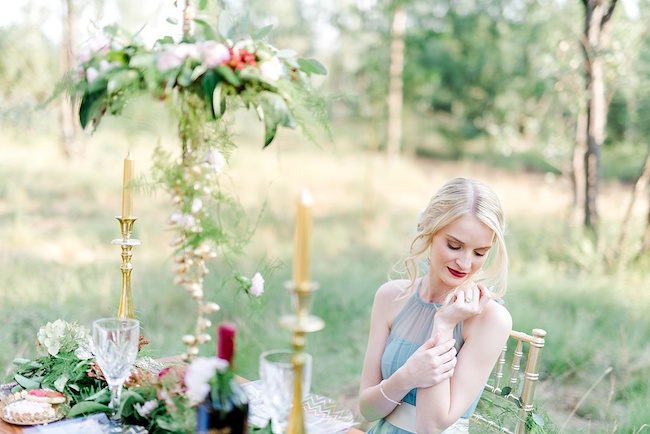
(519, 388)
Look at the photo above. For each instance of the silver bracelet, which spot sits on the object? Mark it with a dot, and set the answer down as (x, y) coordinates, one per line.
(381, 389)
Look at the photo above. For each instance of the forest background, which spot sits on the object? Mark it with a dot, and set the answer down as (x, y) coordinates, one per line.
(513, 92)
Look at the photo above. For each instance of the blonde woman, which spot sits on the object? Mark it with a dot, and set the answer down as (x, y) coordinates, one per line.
(434, 339)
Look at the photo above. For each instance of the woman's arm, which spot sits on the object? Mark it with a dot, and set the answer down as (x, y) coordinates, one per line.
(430, 364)
(486, 333)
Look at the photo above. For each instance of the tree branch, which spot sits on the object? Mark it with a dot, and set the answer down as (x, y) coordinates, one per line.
(609, 13)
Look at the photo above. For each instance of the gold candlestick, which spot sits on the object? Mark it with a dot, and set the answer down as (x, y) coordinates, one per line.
(301, 322)
(126, 309)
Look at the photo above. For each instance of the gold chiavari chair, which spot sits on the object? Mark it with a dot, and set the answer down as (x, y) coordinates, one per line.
(513, 402)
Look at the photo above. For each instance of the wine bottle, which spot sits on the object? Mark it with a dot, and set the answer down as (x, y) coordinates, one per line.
(225, 410)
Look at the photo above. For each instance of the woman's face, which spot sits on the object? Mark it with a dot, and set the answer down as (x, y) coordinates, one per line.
(458, 251)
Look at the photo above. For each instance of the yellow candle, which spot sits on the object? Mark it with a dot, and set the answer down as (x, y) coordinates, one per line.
(301, 239)
(127, 188)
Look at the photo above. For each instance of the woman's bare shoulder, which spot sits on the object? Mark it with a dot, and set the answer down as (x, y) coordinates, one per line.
(497, 316)
(494, 318)
(391, 290)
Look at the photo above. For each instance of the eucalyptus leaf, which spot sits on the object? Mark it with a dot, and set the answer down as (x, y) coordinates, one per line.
(538, 419)
(263, 32)
(203, 4)
(26, 383)
(20, 361)
(228, 75)
(312, 66)
(121, 80)
(185, 76)
(209, 82)
(217, 107)
(225, 24)
(74, 387)
(129, 398)
(198, 71)
(172, 20)
(59, 383)
(208, 31)
(87, 407)
(91, 103)
(103, 395)
(276, 113)
(143, 60)
(285, 53)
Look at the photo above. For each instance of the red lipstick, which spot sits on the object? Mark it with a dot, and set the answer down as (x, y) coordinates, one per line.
(456, 273)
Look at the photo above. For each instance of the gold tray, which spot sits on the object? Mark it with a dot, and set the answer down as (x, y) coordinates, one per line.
(28, 418)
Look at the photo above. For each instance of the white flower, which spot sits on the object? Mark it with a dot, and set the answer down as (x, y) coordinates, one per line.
(271, 69)
(213, 54)
(91, 74)
(198, 374)
(146, 408)
(257, 285)
(51, 336)
(197, 204)
(215, 160)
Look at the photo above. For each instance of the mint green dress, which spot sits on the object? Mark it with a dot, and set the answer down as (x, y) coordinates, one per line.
(411, 328)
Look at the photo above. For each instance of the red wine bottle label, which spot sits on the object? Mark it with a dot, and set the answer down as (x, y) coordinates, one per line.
(226, 349)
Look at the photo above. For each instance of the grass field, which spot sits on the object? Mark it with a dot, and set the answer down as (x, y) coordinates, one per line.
(56, 260)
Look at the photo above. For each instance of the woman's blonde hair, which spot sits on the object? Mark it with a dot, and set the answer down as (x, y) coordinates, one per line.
(458, 197)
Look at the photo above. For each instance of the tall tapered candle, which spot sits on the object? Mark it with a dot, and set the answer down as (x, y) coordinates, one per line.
(302, 237)
(127, 188)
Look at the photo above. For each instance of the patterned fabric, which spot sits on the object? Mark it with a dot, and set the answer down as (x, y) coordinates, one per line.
(411, 328)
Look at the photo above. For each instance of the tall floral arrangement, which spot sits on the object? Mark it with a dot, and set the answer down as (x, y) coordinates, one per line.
(212, 71)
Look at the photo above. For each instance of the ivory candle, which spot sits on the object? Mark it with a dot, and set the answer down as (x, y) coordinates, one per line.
(302, 237)
(127, 188)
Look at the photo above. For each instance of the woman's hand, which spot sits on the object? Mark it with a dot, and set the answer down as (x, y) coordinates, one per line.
(430, 364)
(467, 301)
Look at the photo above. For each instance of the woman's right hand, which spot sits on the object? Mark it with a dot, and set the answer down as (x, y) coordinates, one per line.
(431, 364)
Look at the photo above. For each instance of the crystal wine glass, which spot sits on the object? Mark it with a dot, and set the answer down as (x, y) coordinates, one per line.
(276, 373)
(115, 346)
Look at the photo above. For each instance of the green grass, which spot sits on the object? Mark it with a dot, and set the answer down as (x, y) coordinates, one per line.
(56, 260)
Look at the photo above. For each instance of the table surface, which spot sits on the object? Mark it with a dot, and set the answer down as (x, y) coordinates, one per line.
(5, 428)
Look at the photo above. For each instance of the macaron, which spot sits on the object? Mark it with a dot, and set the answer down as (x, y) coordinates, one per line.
(45, 395)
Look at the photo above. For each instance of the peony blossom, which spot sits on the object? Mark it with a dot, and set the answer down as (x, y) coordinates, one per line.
(168, 60)
(271, 69)
(213, 54)
(257, 285)
(198, 374)
(215, 160)
(173, 57)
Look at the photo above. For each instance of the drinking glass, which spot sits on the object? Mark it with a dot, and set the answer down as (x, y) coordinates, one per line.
(276, 373)
(115, 346)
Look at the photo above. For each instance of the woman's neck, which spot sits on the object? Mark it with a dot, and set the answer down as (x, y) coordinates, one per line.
(432, 293)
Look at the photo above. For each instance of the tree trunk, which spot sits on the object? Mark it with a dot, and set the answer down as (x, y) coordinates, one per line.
(639, 186)
(597, 15)
(395, 88)
(68, 119)
(578, 166)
